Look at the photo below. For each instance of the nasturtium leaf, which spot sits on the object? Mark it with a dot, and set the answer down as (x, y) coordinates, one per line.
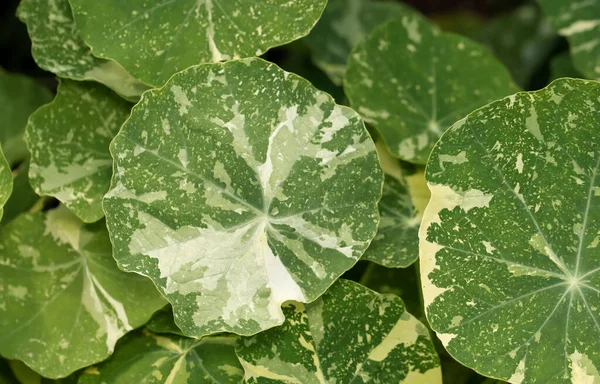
(19, 97)
(57, 47)
(6, 182)
(163, 322)
(401, 207)
(343, 24)
(144, 357)
(23, 197)
(411, 82)
(508, 243)
(154, 40)
(579, 22)
(65, 303)
(562, 66)
(69, 140)
(349, 335)
(232, 192)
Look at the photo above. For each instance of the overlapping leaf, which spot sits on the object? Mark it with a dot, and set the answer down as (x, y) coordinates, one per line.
(65, 303)
(349, 335)
(69, 140)
(231, 193)
(155, 39)
(6, 182)
(509, 242)
(22, 197)
(442, 77)
(57, 47)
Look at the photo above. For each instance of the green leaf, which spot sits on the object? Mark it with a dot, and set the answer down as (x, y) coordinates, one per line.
(231, 192)
(19, 97)
(69, 140)
(562, 66)
(508, 244)
(57, 47)
(579, 22)
(154, 40)
(22, 198)
(343, 24)
(162, 322)
(349, 335)
(65, 303)
(442, 77)
(6, 182)
(143, 357)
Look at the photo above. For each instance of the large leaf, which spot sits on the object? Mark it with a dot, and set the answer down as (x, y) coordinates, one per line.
(442, 77)
(343, 24)
(349, 335)
(69, 140)
(155, 39)
(6, 182)
(65, 303)
(19, 97)
(508, 244)
(231, 192)
(143, 357)
(579, 22)
(58, 48)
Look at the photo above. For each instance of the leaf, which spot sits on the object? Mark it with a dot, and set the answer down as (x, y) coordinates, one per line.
(405, 196)
(65, 303)
(162, 322)
(19, 97)
(143, 357)
(57, 47)
(442, 78)
(6, 182)
(69, 140)
(343, 24)
(349, 335)
(22, 197)
(154, 40)
(579, 22)
(231, 193)
(508, 244)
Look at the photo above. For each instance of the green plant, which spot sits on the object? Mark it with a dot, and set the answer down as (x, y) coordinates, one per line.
(186, 212)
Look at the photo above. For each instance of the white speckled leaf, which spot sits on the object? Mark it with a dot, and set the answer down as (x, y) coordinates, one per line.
(411, 82)
(144, 357)
(155, 39)
(57, 47)
(343, 24)
(68, 140)
(509, 242)
(349, 335)
(231, 192)
(65, 303)
(6, 182)
(579, 22)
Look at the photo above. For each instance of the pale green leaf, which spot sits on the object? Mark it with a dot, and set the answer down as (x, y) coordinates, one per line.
(411, 82)
(143, 357)
(349, 335)
(65, 302)
(579, 22)
(6, 182)
(231, 192)
(343, 24)
(19, 97)
(69, 140)
(509, 242)
(57, 47)
(155, 39)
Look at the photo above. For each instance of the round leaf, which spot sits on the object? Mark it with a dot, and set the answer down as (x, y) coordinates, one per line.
(231, 192)
(153, 40)
(349, 335)
(65, 303)
(411, 82)
(69, 140)
(509, 242)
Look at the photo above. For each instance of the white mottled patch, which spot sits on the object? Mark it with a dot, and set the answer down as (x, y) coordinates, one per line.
(583, 370)
(519, 375)
(579, 26)
(519, 165)
(181, 99)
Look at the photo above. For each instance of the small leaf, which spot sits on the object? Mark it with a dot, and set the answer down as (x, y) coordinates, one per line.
(349, 335)
(57, 47)
(65, 303)
(19, 97)
(441, 78)
(343, 24)
(143, 357)
(509, 242)
(162, 322)
(232, 194)
(22, 198)
(6, 182)
(153, 40)
(69, 140)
